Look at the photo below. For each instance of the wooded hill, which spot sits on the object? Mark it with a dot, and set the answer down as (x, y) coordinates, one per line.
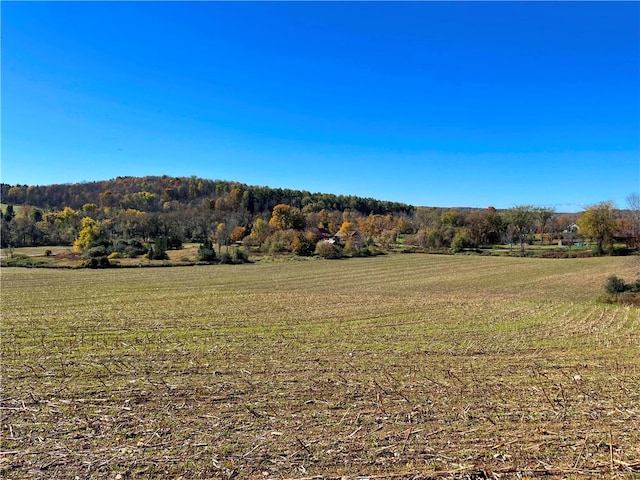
(162, 194)
(131, 216)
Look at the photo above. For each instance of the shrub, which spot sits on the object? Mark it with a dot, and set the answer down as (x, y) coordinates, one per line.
(23, 261)
(240, 256)
(94, 252)
(303, 244)
(279, 242)
(96, 262)
(129, 248)
(48, 253)
(174, 242)
(460, 240)
(226, 258)
(325, 249)
(616, 285)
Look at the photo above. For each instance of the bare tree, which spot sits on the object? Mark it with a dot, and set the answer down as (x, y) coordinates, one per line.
(633, 202)
(543, 215)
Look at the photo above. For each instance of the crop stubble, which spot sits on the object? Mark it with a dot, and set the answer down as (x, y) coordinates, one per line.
(405, 366)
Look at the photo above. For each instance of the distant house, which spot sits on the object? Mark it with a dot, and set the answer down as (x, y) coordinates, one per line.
(573, 228)
(341, 238)
(323, 233)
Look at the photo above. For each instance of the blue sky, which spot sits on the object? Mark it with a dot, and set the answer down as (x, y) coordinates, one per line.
(428, 103)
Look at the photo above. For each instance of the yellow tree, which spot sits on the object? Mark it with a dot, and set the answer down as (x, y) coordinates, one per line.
(598, 222)
(347, 227)
(90, 232)
(260, 232)
(285, 217)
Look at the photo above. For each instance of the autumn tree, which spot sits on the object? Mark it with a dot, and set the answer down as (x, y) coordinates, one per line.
(260, 232)
(598, 222)
(484, 226)
(330, 221)
(372, 225)
(238, 233)
(90, 233)
(519, 220)
(347, 228)
(425, 217)
(223, 235)
(451, 218)
(285, 217)
(304, 244)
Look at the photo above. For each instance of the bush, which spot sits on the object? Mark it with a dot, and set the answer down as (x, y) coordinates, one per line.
(240, 256)
(96, 262)
(130, 248)
(48, 253)
(280, 242)
(23, 261)
(174, 242)
(95, 252)
(226, 258)
(615, 285)
(325, 249)
(303, 244)
(460, 240)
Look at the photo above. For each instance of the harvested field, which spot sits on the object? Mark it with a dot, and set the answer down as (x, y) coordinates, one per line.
(402, 366)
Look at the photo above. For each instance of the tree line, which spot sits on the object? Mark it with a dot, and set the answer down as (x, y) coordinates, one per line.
(134, 216)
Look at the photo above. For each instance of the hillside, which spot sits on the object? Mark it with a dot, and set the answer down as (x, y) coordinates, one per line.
(156, 194)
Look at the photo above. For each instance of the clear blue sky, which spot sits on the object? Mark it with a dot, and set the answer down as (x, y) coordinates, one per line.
(428, 103)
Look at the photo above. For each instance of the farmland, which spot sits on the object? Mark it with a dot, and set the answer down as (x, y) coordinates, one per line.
(401, 365)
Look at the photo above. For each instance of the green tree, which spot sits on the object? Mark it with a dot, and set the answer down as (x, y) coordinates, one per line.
(206, 253)
(35, 215)
(158, 251)
(5, 230)
(24, 231)
(9, 213)
(598, 222)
